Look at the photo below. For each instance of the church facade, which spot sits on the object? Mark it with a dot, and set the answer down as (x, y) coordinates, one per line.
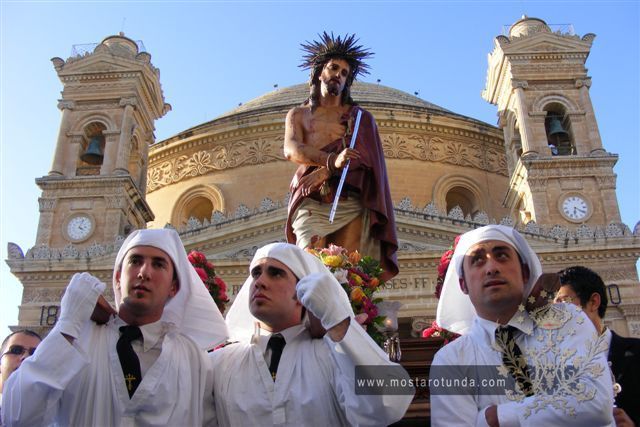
(224, 184)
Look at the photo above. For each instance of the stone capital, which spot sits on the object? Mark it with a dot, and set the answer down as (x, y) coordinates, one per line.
(66, 104)
(128, 101)
(520, 84)
(583, 82)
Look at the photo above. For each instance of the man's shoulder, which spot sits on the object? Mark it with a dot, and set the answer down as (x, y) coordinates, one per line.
(299, 110)
(626, 342)
(452, 352)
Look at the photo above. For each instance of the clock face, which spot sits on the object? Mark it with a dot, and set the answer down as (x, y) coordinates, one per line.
(79, 227)
(575, 208)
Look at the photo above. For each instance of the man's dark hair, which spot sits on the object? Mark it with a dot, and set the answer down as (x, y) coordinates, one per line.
(318, 53)
(585, 282)
(22, 331)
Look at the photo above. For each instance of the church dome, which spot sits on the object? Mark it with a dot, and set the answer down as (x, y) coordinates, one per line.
(371, 96)
(527, 26)
(366, 93)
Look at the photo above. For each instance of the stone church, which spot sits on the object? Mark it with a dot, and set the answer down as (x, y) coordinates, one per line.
(224, 184)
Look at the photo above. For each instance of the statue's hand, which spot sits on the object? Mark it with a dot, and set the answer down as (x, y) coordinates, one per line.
(312, 182)
(344, 156)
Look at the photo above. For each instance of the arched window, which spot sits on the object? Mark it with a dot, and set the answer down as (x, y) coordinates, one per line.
(463, 197)
(92, 150)
(558, 128)
(199, 202)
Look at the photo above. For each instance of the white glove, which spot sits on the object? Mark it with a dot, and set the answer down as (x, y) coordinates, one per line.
(323, 296)
(78, 303)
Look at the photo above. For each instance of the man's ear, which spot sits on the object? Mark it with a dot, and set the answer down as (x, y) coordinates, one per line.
(463, 286)
(118, 280)
(594, 302)
(175, 286)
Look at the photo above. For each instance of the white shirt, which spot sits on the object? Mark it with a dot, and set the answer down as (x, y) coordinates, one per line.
(541, 347)
(83, 384)
(314, 385)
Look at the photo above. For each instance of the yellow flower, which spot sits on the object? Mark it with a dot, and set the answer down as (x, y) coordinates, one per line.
(332, 261)
(357, 294)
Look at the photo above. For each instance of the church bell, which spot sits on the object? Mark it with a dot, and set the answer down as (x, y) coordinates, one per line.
(556, 129)
(93, 155)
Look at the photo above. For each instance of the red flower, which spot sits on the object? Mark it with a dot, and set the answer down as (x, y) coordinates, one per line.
(370, 308)
(221, 285)
(428, 332)
(203, 274)
(196, 257)
(444, 263)
(209, 265)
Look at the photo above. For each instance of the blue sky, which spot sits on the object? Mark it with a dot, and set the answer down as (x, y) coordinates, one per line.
(214, 55)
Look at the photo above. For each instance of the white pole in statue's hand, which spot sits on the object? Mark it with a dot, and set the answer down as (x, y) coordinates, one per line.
(332, 214)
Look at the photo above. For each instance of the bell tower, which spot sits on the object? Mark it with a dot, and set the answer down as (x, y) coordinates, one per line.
(560, 172)
(96, 188)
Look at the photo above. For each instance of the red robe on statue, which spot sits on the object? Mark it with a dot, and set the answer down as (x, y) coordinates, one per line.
(368, 177)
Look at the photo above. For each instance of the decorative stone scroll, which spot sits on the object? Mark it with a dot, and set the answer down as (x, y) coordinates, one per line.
(225, 156)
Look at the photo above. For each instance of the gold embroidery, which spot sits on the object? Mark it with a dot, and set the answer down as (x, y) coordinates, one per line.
(557, 376)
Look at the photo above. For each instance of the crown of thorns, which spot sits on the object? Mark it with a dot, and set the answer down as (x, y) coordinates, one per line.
(330, 47)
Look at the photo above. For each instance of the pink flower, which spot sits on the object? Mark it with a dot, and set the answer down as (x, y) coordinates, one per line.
(333, 250)
(202, 274)
(209, 265)
(223, 296)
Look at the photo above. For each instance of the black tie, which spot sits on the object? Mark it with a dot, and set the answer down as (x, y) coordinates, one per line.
(128, 358)
(513, 359)
(276, 344)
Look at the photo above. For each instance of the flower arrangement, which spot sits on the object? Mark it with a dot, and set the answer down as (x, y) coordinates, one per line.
(435, 330)
(360, 278)
(215, 285)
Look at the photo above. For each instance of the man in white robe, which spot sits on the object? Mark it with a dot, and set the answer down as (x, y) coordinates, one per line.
(566, 380)
(314, 384)
(75, 376)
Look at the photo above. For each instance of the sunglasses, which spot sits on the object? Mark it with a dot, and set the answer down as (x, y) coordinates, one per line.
(18, 350)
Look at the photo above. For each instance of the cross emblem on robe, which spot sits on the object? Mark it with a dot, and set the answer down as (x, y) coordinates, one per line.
(129, 379)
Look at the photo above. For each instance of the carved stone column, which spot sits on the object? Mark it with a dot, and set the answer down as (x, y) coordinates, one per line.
(110, 151)
(73, 153)
(592, 124)
(47, 208)
(59, 156)
(522, 113)
(124, 144)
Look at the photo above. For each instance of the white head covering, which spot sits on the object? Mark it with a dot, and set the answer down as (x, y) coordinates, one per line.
(240, 321)
(191, 310)
(455, 311)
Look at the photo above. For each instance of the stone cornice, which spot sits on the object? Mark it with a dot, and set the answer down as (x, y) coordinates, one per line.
(538, 56)
(107, 187)
(577, 162)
